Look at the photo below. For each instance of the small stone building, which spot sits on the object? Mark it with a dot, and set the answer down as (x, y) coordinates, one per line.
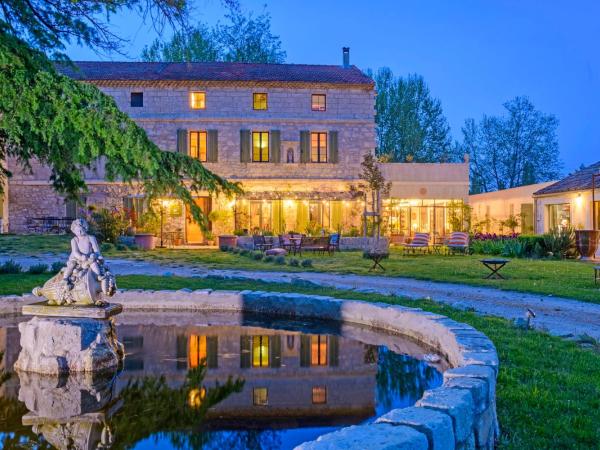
(293, 135)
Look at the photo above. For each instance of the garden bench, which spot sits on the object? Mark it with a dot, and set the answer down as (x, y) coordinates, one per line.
(314, 244)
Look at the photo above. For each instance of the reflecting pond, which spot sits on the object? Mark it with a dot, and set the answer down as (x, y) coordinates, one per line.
(215, 381)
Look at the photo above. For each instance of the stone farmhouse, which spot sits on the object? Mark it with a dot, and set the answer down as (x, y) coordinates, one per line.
(294, 135)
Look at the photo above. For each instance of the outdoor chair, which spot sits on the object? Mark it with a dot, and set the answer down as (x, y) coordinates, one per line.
(285, 242)
(260, 243)
(419, 243)
(458, 243)
(334, 243)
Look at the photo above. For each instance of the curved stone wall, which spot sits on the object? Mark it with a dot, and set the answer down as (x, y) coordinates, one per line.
(459, 414)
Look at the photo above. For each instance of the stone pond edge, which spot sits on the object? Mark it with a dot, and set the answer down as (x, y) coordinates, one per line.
(460, 414)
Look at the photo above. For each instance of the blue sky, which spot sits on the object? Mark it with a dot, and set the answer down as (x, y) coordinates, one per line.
(474, 54)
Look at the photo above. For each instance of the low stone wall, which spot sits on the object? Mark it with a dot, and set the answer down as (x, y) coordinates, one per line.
(346, 243)
(460, 414)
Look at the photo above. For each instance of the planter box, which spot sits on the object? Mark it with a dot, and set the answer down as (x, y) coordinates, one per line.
(228, 239)
(145, 241)
(587, 243)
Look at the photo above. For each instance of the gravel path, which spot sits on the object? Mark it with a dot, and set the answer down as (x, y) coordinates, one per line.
(559, 316)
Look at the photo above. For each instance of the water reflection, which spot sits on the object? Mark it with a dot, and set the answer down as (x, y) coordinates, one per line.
(215, 385)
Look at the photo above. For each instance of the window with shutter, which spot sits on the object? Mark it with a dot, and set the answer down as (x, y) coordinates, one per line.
(333, 147)
(318, 147)
(182, 141)
(260, 146)
(197, 145)
(304, 146)
(245, 146)
(275, 144)
(213, 146)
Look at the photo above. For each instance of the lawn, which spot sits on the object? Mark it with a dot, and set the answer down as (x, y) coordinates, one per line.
(570, 278)
(548, 388)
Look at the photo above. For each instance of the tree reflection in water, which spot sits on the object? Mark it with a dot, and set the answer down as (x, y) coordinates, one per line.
(402, 379)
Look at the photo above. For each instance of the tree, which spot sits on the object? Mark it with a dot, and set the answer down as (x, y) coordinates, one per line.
(243, 38)
(68, 125)
(513, 150)
(410, 122)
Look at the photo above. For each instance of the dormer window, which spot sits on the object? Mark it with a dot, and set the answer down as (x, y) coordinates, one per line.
(137, 99)
(198, 100)
(259, 101)
(318, 102)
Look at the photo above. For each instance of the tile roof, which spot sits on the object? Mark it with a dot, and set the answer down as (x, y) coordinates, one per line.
(215, 71)
(578, 181)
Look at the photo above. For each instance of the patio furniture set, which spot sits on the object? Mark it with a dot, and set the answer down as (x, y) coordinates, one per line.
(297, 243)
(457, 243)
(49, 224)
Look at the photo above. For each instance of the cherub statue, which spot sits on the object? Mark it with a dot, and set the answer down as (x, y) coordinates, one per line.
(85, 252)
(85, 276)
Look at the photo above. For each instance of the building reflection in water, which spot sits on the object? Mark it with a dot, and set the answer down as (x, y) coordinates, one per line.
(292, 379)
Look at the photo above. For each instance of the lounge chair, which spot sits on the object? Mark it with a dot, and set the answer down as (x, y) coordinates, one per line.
(458, 243)
(420, 242)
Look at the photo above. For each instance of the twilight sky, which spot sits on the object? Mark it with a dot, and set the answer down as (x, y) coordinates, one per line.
(474, 54)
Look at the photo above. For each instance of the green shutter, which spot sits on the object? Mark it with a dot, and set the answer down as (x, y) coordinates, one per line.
(304, 351)
(275, 344)
(245, 141)
(334, 351)
(302, 217)
(182, 141)
(304, 146)
(275, 146)
(212, 146)
(333, 147)
(277, 225)
(181, 352)
(336, 215)
(212, 352)
(245, 351)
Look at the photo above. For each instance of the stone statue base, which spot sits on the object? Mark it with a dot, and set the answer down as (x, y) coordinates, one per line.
(63, 340)
(70, 412)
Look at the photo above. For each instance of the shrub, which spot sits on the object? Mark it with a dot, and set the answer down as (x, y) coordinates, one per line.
(56, 266)
(107, 247)
(37, 269)
(10, 266)
(108, 225)
(236, 250)
(306, 263)
(122, 247)
(268, 258)
(560, 242)
(294, 262)
(244, 252)
(257, 256)
(280, 260)
(225, 248)
(240, 233)
(514, 249)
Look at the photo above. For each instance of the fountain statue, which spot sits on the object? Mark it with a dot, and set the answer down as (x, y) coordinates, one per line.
(85, 279)
(73, 329)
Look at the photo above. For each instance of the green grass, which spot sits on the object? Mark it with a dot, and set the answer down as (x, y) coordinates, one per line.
(572, 279)
(548, 388)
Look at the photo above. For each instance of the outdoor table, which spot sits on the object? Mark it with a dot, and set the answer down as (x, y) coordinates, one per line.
(438, 249)
(376, 257)
(494, 265)
(596, 274)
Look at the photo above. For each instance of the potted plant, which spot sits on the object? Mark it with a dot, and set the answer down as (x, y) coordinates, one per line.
(587, 243)
(216, 217)
(148, 227)
(210, 238)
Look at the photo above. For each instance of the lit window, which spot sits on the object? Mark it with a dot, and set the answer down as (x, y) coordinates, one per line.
(259, 101)
(318, 102)
(197, 100)
(260, 351)
(260, 396)
(196, 396)
(137, 99)
(197, 350)
(318, 350)
(318, 147)
(319, 395)
(198, 145)
(260, 146)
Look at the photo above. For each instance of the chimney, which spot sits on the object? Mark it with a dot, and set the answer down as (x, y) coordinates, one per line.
(346, 56)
